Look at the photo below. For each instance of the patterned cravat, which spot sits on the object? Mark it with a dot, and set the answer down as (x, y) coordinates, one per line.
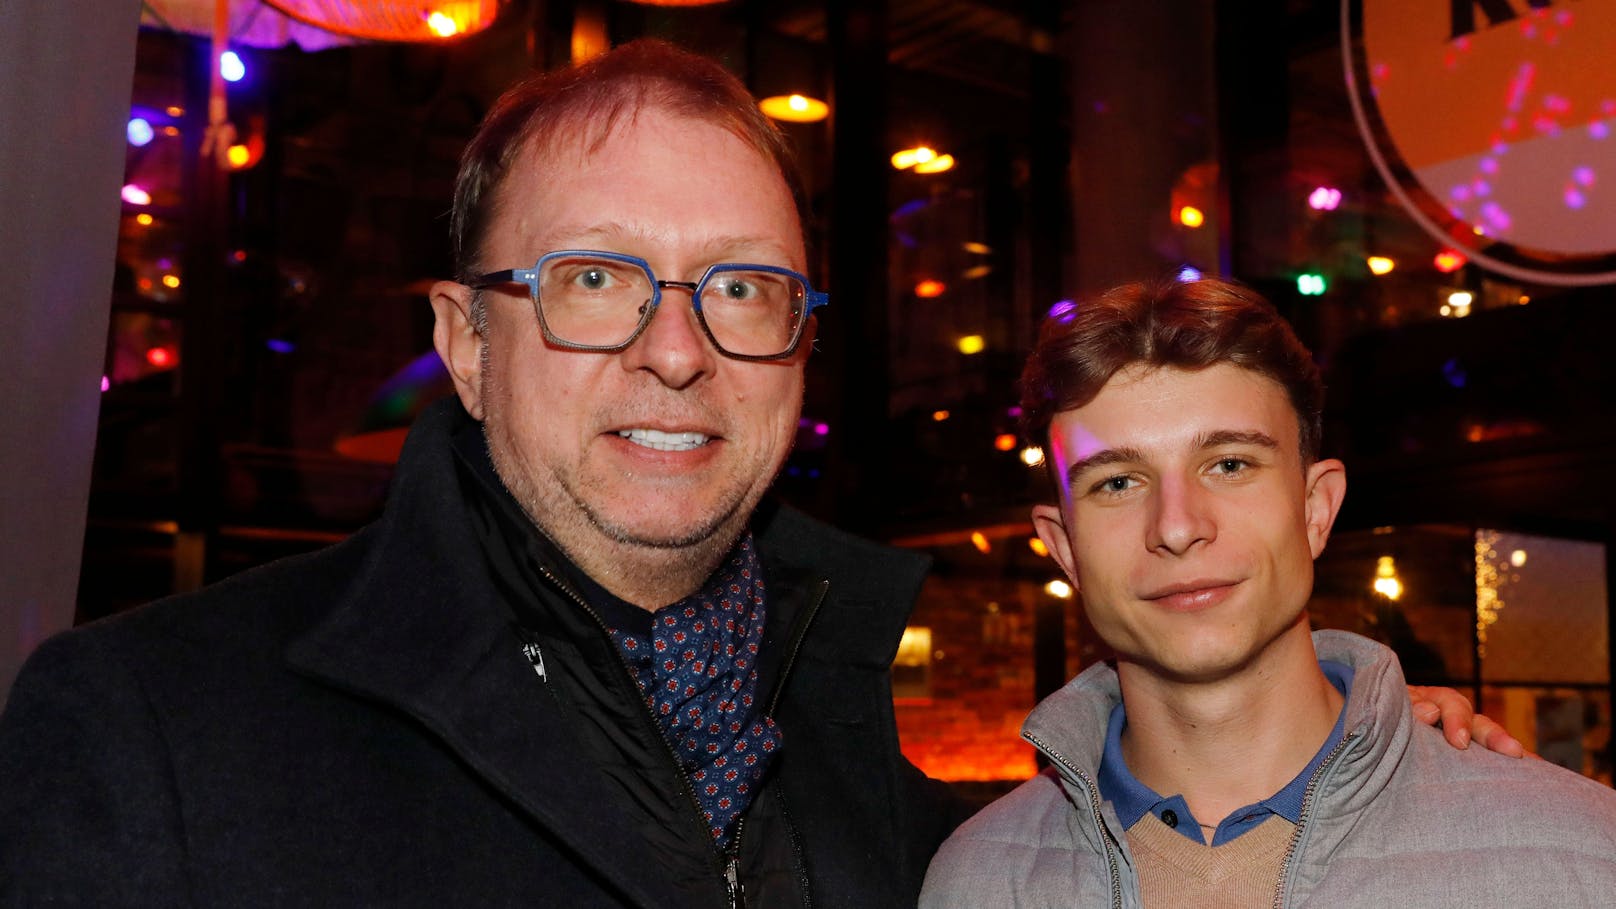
(698, 673)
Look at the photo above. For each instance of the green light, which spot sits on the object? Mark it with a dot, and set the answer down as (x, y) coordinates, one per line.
(1310, 284)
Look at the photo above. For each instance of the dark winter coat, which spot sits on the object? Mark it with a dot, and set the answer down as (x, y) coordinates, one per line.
(360, 727)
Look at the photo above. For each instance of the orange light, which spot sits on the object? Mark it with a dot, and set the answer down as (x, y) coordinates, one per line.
(930, 288)
(940, 415)
(171, 131)
(1380, 265)
(936, 165)
(971, 344)
(175, 111)
(160, 357)
(144, 220)
(1191, 217)
(794, 108)
(1449, 260)
(980, 541)
(238, 156)
(1005, 441)
(442, 25)
(909, 157)
(1037, 546)
(172, 282)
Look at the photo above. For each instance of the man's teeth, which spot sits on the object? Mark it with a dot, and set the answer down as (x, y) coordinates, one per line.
(664, 441)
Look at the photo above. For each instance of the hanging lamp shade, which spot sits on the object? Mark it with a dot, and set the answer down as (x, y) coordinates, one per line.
(393, 20)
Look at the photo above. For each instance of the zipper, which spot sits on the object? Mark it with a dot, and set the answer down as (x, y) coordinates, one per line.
(1304, 817)
(730, 869)
(535, 656)
(1099, 819)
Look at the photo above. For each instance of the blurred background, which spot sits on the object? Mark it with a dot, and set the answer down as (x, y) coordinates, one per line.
(1424, 193)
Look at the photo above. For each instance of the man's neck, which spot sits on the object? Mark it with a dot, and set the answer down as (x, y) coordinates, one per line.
(1235, 741)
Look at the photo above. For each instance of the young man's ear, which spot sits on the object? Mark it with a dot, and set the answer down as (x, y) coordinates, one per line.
(1050, 524)
(458, 343)
(1326, 488)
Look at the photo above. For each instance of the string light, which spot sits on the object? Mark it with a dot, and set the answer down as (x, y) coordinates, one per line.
(1380, 265)
(1191, 217)
(1058, 589)
(980, 541)
(971, 344)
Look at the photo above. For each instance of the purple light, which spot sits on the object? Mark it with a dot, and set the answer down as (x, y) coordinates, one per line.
(1598, 129)
(1324, 198)
(1014, 411)
(1584, 175)
(139, 131)
(134, 195)
(1574, 198)
(280, 345)
(821, 429)
(1188, 274)
(1063, 310)
(1489, 165)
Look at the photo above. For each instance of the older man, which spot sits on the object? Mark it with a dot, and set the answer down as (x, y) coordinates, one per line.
(576, 662)
(1230, 757)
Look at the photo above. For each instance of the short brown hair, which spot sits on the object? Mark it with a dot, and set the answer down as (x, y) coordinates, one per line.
(1183, 324)
(583, 103)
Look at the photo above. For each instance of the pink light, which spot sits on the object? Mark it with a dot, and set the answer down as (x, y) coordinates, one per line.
(1324, 198)
(821, 429)
(106, 383)
(134, 195)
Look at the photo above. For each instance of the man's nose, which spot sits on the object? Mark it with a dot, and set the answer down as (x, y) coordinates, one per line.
(673, 346)
(1182, 517)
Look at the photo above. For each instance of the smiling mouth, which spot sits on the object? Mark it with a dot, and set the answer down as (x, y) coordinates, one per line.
(664, 441)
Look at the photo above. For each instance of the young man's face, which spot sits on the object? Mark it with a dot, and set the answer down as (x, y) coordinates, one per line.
(1187, 518)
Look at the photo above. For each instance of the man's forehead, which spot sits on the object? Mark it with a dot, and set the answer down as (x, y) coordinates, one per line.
(1145, 408)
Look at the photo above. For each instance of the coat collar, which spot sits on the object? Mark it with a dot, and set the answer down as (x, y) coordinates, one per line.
(422, 629)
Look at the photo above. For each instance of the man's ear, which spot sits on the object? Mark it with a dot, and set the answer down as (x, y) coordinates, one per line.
(1050, 524)
(1326, 488)
(458, 343)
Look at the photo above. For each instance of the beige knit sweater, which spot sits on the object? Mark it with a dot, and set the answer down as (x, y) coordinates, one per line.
(1176, 871)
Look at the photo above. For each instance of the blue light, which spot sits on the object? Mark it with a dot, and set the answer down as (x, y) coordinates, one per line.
(1188, 274)
(280, 345)
(231, 67)
(1063, 310)
(140, 132)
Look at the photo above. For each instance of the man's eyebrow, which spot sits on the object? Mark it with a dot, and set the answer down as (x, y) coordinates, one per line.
(1236, 437)
(1101, 459)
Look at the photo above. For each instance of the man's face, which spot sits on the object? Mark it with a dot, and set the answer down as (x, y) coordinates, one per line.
(1188, 520)
(582, 439)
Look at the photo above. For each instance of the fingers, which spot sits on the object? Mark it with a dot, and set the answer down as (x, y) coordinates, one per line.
(1444, 706)
(1493, 737)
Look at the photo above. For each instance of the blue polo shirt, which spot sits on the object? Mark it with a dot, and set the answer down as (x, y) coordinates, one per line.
(1131, 798)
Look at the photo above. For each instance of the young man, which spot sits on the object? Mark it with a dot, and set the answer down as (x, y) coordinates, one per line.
(1231, 757)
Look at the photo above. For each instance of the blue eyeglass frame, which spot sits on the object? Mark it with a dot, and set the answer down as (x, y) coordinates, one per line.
(812, 299)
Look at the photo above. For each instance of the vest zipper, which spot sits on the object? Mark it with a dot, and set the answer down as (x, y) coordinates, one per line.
(1303, 817)
(728, 863)
(1094, 806)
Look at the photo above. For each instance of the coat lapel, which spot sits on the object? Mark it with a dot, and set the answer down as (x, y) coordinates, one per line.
(422, 633)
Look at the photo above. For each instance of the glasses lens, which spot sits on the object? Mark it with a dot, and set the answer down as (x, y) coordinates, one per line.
(753, 312)
(592, 301)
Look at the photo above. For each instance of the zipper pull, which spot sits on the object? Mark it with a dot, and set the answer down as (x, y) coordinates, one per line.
(732, 883)
(535, 657)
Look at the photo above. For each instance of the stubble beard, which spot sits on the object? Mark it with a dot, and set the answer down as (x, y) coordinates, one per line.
(610, 548)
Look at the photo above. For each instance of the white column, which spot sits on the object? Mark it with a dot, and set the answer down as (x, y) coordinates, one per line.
(66, 69)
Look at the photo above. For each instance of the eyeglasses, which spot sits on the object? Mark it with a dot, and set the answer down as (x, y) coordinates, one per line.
(602, 301)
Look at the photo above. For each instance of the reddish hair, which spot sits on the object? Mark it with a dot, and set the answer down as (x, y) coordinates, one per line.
(1182, 324)
(583, 103)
